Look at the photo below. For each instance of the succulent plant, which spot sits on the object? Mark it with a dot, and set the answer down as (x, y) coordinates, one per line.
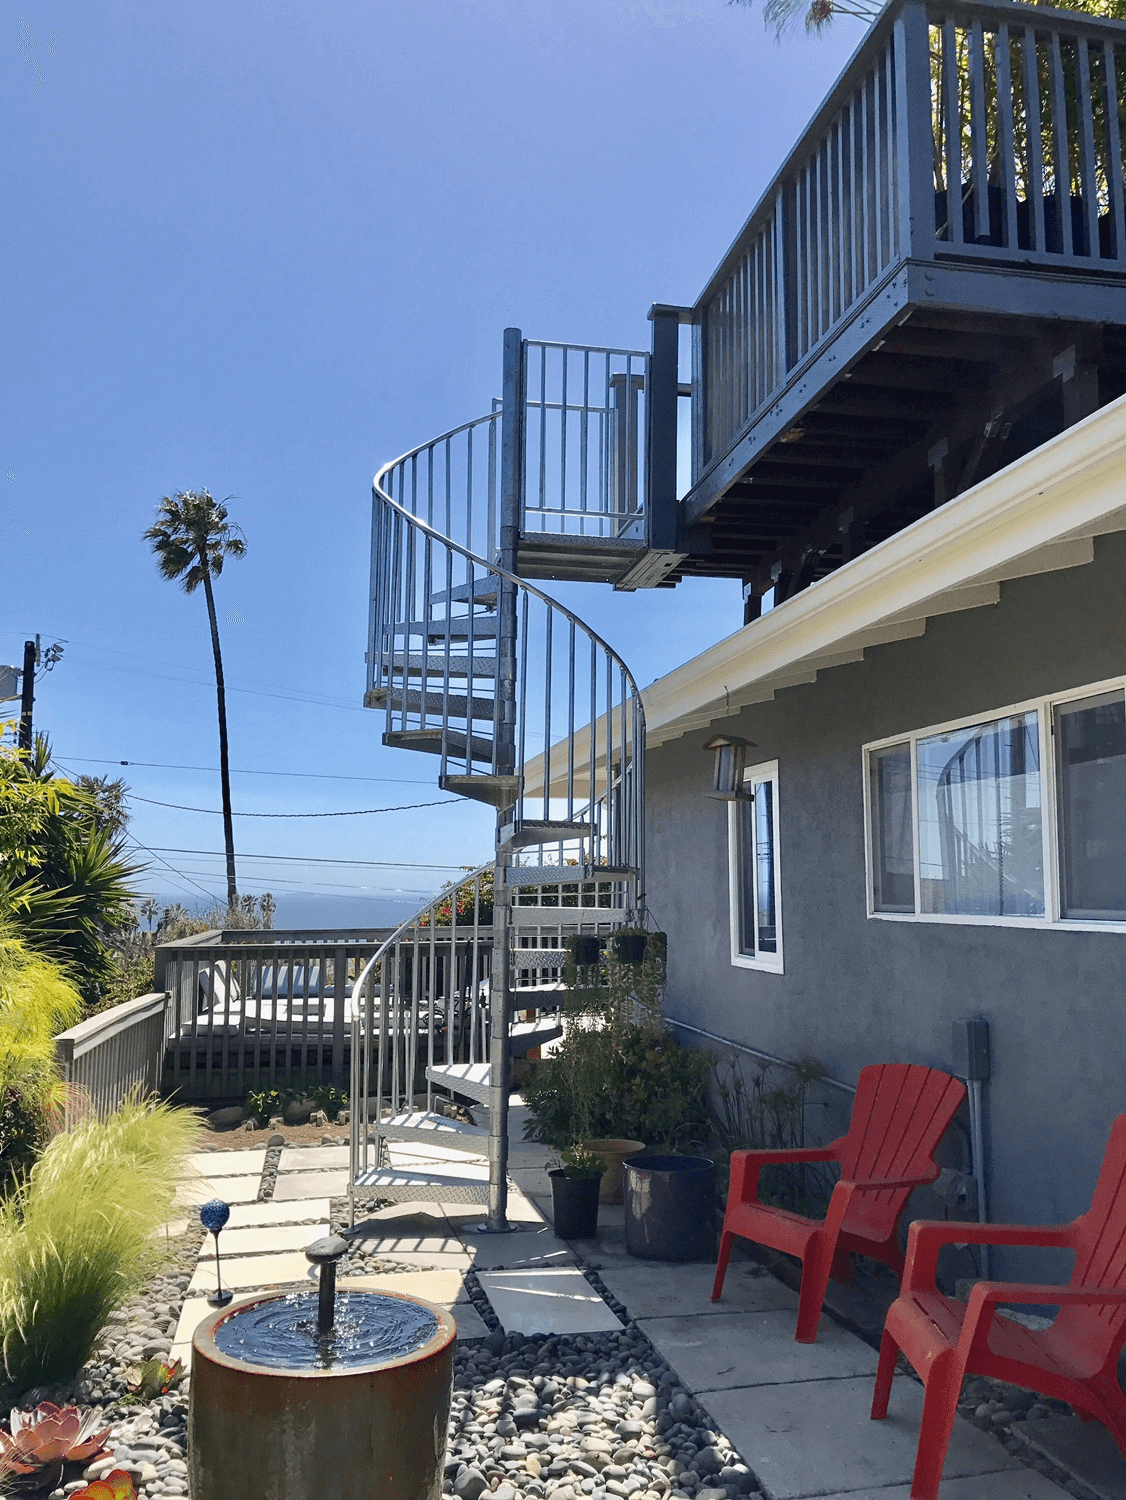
(117, 1485)
(156, 1378)
(51, 1435)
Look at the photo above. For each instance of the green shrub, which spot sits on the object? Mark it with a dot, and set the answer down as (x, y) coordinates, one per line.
(37, 999)
(266, 1103)
(329, 1098)
(629, 1080)
(769, 1113)
(75, 1238)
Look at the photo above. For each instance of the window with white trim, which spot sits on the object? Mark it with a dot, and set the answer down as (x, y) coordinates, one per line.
(755, 883)
(1014, 817)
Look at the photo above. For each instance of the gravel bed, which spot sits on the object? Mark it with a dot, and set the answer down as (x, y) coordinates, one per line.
(598, 1415)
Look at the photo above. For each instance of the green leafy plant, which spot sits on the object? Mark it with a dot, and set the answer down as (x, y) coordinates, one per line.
(264, 1104)
(770, 1112)
(156, 1378)
(75, 1237)
(471, 900)
(578, 1163)
(37, 1000)
(51, 1435)
(330, 1099)
(64, 882)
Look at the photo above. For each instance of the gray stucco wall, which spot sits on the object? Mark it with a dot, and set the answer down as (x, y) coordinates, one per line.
(858, 990)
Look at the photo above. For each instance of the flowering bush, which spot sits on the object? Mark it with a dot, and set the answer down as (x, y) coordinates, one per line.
(117, 1485)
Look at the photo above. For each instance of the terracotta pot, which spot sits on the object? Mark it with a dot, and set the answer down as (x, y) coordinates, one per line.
(613, 1152)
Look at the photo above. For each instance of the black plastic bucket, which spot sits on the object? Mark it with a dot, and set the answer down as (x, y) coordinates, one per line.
(670, 1207)
(574, 1205)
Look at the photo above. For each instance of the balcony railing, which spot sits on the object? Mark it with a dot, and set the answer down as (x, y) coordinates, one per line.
(972, 132)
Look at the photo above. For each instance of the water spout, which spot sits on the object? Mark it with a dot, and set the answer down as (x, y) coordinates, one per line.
(325, 1253)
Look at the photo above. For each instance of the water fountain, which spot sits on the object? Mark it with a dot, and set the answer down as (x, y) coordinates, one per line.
(307, 1395)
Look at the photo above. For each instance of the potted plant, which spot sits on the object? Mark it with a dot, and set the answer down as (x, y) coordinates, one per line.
(575, 1180)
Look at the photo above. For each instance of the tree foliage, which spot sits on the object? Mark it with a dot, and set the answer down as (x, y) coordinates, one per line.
(783, 15)
(64, 879)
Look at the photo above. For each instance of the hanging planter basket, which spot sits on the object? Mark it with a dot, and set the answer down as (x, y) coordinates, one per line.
(629, 947)
(585, 948)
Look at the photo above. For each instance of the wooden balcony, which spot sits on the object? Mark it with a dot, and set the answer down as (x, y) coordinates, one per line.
(934, 283)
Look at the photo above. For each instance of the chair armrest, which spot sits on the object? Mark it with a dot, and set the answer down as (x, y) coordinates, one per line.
(1048, 1296)
(925, 1238)
(746, 1166)
(871, 1184)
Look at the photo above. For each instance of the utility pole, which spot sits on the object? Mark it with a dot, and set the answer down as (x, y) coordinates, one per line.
(27, 696)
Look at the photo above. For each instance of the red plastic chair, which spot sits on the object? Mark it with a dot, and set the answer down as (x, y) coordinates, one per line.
(1075, 1360)
(900, 1115)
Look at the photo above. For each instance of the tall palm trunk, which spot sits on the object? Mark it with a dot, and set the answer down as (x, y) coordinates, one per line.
(224, 768)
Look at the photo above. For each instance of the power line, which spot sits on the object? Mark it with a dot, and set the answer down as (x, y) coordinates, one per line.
(165, 863)
(108, 666)
(312, 859)
(355, 812)
(159, 765)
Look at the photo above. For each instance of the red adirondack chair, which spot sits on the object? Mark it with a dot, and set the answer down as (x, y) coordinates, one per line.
(899, 1117)
(1075, 1360)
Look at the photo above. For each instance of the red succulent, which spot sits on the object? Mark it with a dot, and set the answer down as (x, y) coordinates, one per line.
(50, 1435)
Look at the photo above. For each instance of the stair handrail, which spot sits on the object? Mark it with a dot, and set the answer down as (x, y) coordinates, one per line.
(495, 567)
(358, 1120)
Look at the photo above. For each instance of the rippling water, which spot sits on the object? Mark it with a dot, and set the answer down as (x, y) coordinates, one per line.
(369, 1329)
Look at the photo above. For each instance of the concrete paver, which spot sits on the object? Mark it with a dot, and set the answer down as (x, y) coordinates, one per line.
(1085, 1449)
(555, 1300)
(192, 1314)
(310, 1185)
(312, 1158)
(808, 1438)
(228, 1163)
(650, 1289)
(528, 1246)
(1013, 1484)
(247, 1271)
(260, 1239)
(299, 1210)
(752, 1349)
(194, 1191)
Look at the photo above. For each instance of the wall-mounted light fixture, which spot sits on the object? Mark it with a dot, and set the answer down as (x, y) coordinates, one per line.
(730, 759)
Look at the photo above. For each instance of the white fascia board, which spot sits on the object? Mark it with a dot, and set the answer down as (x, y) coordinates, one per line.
(1032, 515)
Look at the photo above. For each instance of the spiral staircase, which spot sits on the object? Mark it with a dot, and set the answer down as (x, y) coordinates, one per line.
(526, 710)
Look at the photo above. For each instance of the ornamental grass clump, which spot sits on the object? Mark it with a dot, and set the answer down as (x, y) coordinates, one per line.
(75, 1238)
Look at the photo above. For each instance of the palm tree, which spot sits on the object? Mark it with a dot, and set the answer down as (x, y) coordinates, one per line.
(192, 538)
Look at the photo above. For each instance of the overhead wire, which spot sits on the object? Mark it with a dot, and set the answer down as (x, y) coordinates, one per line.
(355, 812)
(159, 765)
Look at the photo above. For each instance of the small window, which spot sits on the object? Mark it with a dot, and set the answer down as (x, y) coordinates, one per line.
(981, 840)
(893, 836)
(756, 927)
(1090, 740)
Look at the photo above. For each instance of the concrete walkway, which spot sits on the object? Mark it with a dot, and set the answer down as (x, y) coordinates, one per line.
(798, 1414)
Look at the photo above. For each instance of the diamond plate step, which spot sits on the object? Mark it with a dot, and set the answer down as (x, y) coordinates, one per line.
(547, 832)
(437, 1130)
(430, 741)
(497, 791)
(539, 958)
(456, 705)
(453, 629)
(481, 591)
(417, 662)
(564, 874)
(524, 1035)
(470, 1079)
(470, 1185)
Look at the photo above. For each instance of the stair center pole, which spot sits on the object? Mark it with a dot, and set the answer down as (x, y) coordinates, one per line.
(500, 990)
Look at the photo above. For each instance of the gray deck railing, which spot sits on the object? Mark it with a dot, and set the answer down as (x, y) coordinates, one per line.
(265, 1009)
(969, 130)
(113, 1055)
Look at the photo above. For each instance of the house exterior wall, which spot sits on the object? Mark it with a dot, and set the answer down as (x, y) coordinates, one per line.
(857, 989)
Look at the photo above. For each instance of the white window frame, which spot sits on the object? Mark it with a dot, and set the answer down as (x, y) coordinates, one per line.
(1044, 707)
(769, 962)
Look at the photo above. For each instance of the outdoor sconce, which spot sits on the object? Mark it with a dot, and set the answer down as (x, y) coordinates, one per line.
(730, 759)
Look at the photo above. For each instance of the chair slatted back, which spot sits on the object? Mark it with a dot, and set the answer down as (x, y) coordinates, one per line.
(902, 1111)
(1100, 1253)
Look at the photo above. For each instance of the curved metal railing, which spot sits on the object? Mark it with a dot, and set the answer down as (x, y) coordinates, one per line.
(524, 704)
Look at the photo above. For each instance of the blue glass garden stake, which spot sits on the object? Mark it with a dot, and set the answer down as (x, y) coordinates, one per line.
(213, 1216)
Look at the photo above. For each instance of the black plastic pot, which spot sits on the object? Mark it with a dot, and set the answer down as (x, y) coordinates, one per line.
(574, 1205)
(629, 947)
(585, 948)
(670, 1207)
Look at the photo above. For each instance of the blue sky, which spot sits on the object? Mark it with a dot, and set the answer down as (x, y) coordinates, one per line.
(262, 247)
